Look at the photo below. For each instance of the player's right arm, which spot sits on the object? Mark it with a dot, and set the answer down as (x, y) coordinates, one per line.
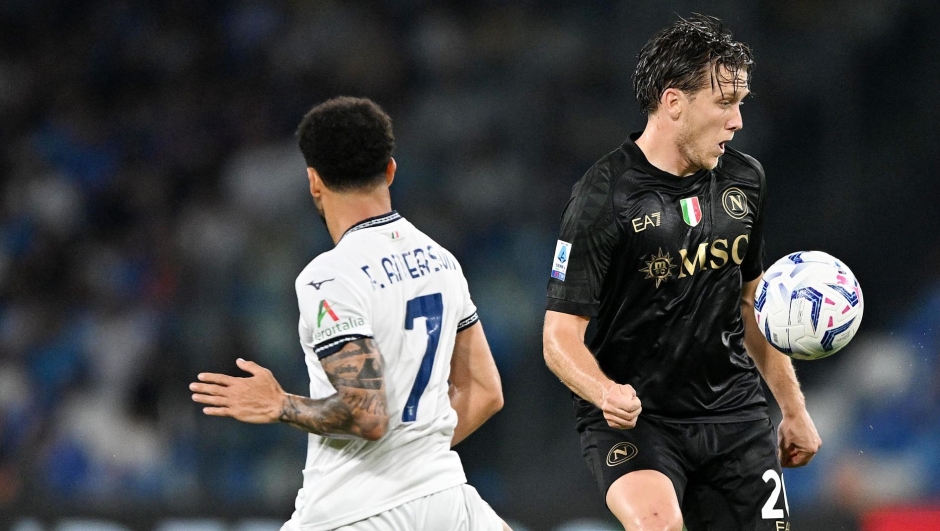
(336, 325)
(570, 360)
(590, 236)
(358, 408)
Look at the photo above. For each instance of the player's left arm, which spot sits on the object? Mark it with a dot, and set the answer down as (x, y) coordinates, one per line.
(358, 408)
(797, 434)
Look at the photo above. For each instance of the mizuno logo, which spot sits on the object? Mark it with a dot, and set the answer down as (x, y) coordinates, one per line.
(316, 285)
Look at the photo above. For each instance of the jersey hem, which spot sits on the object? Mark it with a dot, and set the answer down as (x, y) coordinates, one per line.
(586, 411)
(291, 525)
(748, 276)
(573, 308)
(332, 346)
(468, 322)
(719, 419)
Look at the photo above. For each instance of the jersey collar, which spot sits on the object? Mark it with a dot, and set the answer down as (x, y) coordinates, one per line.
(375, 221)
(640, 161)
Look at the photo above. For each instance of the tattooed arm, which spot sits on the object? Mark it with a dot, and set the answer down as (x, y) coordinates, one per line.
(357, 409)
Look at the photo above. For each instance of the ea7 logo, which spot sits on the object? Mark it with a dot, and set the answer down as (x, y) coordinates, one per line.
(621, 453)
(652, 220)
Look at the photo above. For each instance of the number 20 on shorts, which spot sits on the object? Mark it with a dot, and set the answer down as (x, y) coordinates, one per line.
(769, 511)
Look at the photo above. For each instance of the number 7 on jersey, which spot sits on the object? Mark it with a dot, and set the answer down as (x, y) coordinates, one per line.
(431, 307)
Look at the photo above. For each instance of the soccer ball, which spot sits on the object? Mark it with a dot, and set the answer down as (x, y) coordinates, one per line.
(808, 305)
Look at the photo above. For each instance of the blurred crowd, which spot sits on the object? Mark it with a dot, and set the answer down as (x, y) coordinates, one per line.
(154, 213)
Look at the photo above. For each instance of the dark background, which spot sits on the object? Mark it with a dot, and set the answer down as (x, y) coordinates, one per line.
(155, 212)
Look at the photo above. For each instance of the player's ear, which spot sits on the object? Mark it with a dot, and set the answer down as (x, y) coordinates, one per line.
(316, 183)
(671, 102)
(390, 171)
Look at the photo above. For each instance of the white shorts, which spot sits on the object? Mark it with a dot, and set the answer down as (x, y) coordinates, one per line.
(458, 508)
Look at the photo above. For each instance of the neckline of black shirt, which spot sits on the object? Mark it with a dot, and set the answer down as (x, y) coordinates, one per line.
(640, 161)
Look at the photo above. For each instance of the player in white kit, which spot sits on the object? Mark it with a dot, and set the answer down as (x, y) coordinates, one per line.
(399, 367)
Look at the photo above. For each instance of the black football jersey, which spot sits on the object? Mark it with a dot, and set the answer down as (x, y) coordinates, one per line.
(657, 261)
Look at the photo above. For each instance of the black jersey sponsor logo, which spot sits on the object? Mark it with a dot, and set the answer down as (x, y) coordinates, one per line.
(712, 255)
(642, 223)
(715, 254)
(735, 202)
(621, 453)
(659, 267)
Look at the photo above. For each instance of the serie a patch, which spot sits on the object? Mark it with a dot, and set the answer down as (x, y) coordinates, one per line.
(560, 262)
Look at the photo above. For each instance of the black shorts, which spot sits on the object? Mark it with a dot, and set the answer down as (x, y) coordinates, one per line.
(727, 475)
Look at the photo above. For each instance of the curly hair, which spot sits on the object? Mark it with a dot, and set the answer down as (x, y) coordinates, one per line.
(349, 142)
(681, 55)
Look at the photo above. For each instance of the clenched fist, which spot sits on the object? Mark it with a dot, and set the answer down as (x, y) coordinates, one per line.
(798, 440)
(621, 406)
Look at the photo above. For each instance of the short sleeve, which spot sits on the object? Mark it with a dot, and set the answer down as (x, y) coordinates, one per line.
(753, 264)
(587, 241)
(334, 311)
(468, 312)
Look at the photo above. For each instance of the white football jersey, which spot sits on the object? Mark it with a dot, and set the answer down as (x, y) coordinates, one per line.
(387, 280)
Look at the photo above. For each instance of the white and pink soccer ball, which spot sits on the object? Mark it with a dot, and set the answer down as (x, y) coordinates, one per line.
(809, 305)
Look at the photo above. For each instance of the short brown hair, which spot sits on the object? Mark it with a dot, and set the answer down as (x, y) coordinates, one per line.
(680, 55)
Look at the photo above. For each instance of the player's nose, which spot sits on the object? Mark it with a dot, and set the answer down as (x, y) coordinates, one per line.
(736, 123)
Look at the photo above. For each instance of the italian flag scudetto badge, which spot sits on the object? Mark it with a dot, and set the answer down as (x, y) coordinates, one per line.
(691, 211)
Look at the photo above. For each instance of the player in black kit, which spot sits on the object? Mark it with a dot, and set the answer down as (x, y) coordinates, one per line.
(661, 246)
